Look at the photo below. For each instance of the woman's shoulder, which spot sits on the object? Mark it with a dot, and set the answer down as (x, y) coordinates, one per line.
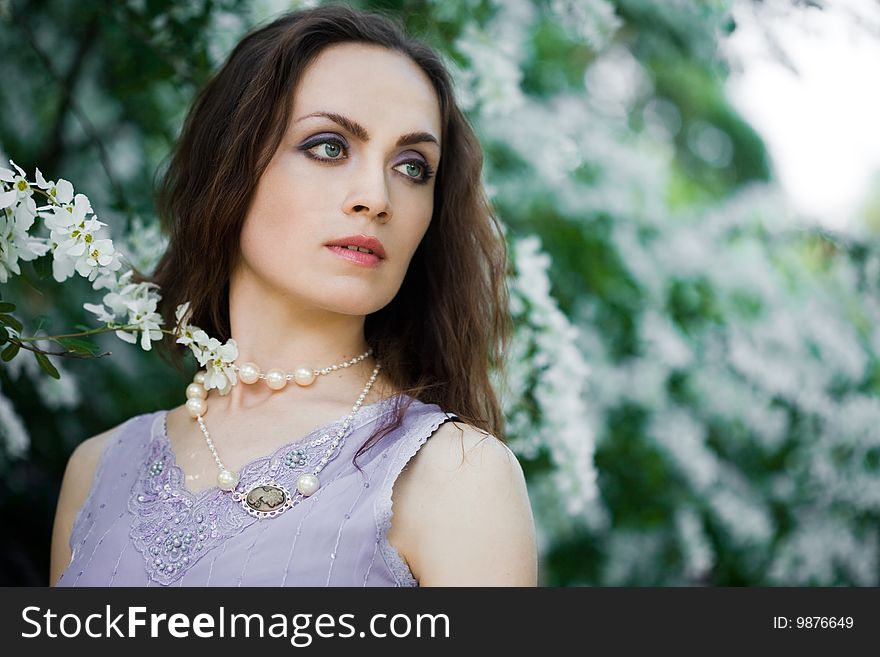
(88, 452)
(78, 478)
(84, 459)
(450, 435)
(434, 509)
(458, 449)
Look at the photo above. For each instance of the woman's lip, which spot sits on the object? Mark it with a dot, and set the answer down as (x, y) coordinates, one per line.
(356, 257)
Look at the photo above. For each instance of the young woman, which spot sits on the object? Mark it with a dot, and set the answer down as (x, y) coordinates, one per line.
(325, 210)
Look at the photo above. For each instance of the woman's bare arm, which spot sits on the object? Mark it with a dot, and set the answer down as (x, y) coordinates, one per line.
(75, 488)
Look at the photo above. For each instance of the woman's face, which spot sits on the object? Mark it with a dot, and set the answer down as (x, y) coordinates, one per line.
(354, 163)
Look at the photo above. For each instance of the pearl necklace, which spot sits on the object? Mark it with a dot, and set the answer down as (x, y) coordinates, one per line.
(303, 375)
(250, 373)
(270, 498)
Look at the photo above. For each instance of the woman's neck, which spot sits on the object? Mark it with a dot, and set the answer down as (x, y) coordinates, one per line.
(277, 333)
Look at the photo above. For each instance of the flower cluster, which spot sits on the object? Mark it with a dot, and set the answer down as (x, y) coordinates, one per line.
(128, 304)
(77, 243)
(547, 380)
(75, 239)
(216, 358)
(19, 211)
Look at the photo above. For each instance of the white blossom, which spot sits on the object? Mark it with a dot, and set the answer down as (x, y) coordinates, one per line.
(493, 78)
(554, 377)
(82, 248)
(143, 245)
(217, 359)
(190, 335)
(98, 254)
(60, 192)
(8, 197)
(101, 312)
(695, 544)
(15, 241)
(594, 21)
(17, 181)
(129, 307)
(143, 317)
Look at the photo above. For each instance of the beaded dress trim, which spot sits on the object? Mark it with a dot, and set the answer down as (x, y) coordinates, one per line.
(173, 528)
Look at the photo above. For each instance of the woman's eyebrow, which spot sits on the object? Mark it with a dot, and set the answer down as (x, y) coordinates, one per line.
(361, 133)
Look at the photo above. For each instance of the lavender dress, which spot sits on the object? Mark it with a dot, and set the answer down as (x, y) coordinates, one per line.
(141, 526)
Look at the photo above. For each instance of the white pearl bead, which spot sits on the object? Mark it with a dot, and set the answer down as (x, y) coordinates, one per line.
(196, 406)
(307, 484)
(276, 379)
(196, 390)
(227, 480)
(199, 377)
(249, 373)
(304, 376)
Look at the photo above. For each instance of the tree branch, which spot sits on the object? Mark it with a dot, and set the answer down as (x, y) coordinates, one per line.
(69, 101)
(67, 84)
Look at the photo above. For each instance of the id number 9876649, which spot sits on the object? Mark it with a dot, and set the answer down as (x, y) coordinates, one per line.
(813, 622)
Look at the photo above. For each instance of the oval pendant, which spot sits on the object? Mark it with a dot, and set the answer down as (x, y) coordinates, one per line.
(266, 500)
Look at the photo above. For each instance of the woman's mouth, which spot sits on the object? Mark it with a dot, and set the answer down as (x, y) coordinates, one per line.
(356, 254)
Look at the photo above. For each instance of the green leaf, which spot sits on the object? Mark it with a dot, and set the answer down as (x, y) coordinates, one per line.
(43, 267)
(6, 307)
(46, 366)
(39, 323)
(79, 346)
(9, 320)
(4, 335)
(9, 353)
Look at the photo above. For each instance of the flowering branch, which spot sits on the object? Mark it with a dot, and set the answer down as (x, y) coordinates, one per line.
(70, 353)
(77, 244)
(94, 331)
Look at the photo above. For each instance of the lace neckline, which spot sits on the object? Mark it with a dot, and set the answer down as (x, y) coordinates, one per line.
(367, 413)
(176, 527)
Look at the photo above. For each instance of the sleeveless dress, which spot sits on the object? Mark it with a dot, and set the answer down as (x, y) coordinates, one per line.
(141, 526)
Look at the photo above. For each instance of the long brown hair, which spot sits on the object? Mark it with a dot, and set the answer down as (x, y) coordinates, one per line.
(449, 322)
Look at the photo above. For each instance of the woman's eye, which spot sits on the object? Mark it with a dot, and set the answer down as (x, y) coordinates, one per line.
(329, 150)
(413, 169)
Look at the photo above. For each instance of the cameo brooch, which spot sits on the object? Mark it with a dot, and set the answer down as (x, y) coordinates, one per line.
(265, 500)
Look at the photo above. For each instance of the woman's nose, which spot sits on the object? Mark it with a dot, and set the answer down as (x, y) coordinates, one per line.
(369, 194)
